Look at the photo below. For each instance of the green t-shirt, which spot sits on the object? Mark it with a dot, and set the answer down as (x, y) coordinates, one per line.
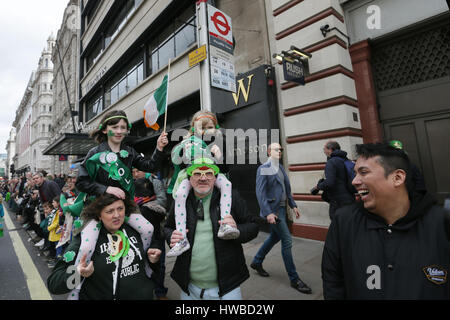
(203, 271)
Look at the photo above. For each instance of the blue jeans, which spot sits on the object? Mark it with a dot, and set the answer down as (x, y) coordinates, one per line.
(210, 294)
(279, 231)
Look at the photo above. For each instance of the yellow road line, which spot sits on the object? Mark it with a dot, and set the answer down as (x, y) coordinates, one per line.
(37, 288)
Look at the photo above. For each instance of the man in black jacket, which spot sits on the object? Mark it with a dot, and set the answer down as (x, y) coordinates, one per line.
(393, 244)
(48, 189)
(212, 268)
(335, 182)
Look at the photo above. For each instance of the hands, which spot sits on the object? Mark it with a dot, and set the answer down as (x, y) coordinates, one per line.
(85, 270)
(176, 237)
(272, 218)
(297, 212)
(119, 193)
(215, 150)
(162, 141)
(153, 255)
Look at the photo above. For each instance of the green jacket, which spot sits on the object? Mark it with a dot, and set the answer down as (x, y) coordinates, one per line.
(133, 283)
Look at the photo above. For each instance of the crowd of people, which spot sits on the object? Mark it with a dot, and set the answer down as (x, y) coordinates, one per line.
(109, 221)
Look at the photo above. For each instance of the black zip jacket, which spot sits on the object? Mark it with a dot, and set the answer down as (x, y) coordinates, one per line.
(365, 258)
(102, 181)
(231, 267)
(335, 182)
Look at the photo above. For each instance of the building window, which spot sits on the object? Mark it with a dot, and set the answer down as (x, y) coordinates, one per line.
(94, 106)
(126, 80)
(176, 38)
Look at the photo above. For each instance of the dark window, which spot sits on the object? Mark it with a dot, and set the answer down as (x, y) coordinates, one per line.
(94, 106)
(173, 40)
(125, 81)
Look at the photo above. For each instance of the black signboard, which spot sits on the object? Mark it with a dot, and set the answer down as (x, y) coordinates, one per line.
(294, 71)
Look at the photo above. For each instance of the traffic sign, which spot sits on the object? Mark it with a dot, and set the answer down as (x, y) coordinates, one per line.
(221, 50)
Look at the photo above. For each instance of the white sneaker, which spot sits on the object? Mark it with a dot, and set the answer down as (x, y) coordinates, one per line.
(179, 248)
(227, 232)
(40, 243)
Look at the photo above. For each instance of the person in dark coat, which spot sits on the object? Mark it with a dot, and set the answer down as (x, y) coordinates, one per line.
(335, 182)
(48, 189)
(392, 244)
(213, 268)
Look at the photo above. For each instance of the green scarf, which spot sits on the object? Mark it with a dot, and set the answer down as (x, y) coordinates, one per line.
(117, 170)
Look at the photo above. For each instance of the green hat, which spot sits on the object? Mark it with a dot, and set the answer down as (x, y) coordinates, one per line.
(396, 144)
(202, 162)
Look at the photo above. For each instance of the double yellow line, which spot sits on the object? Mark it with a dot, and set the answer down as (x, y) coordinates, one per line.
(36, 287)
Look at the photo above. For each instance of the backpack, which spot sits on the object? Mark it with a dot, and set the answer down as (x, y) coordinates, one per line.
(349, 165)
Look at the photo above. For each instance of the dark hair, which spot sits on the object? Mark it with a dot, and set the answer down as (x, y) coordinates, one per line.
(93, 210)
(333, 145)
(47, 204)
(390, 158)
(98, 134)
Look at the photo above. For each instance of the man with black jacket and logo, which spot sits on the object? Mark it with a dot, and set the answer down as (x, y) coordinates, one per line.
(391, 245)
(336, 181)
(213, 268)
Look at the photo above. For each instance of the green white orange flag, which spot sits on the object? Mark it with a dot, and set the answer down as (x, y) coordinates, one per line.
(156, 105)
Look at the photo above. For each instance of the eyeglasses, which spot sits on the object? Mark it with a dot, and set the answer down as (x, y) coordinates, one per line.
(278, 149)
(199, 175)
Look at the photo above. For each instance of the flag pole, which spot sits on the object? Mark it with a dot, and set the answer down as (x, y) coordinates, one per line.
(167, 96)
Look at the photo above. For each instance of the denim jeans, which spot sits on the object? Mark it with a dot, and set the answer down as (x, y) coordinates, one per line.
(210, 294)
(279, 231)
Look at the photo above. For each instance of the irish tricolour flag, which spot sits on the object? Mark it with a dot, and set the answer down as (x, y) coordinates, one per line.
(156, 105)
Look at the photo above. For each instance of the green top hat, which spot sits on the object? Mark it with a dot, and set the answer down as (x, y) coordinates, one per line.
(202, 162)
(396, 144)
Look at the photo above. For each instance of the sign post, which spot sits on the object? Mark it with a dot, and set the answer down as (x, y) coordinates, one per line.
(202, 36)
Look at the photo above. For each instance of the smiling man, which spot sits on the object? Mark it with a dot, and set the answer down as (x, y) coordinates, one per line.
(391, 245)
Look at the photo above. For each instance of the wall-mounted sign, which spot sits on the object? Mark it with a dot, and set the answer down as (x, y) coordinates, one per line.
(221, 50)
(294, 71)
(63, 157)
(97, 77)
(197, 56)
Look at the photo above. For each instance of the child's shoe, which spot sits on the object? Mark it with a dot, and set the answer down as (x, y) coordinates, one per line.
(179, 248)
(227, 232)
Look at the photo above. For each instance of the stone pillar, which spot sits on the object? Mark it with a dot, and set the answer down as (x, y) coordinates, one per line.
(365, 92)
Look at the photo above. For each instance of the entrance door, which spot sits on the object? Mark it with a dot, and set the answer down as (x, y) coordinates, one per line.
(427, 142)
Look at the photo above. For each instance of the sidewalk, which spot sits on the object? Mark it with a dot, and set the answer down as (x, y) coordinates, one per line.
(307, 257)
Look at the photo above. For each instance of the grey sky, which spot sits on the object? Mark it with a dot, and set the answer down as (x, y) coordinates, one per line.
(25, 26)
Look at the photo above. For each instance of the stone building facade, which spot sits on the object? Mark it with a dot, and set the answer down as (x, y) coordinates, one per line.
(65, 74)
(42, 109)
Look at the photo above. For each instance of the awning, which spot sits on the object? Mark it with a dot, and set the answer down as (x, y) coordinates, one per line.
(77, 144)
(71, 144)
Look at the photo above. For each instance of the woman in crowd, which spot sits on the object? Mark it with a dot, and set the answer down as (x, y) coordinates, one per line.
(116, 269)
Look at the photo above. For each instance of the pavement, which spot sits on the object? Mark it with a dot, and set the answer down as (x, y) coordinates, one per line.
(307, 256)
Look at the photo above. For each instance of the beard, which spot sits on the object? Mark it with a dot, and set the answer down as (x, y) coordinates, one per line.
(202, 191)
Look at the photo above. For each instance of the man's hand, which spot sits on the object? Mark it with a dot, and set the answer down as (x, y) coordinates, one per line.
(228, 219)
(176, 237)
(162, 141)
(85, 270)
(297, 212)
(153, 255)
(272, 218)
(119, 193)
